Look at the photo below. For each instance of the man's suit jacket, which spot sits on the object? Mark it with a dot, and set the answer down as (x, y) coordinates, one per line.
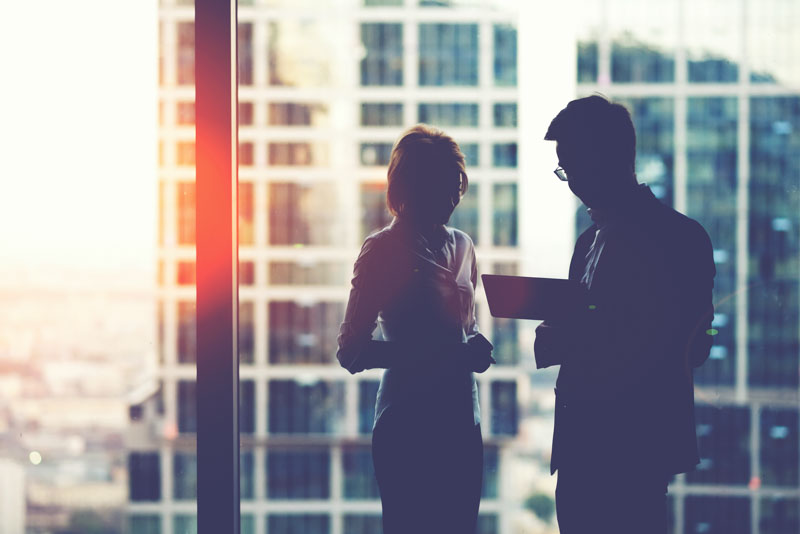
(625, 391)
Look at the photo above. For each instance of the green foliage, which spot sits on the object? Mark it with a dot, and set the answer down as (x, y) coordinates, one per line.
(542, 505)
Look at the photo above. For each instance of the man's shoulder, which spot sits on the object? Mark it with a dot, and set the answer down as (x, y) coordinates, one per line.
(678, 226)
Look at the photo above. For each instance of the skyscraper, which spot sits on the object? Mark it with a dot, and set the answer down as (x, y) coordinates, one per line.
(714, 90)
(324, 90)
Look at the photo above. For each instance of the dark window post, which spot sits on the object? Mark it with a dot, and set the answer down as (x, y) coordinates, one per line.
(217, 292)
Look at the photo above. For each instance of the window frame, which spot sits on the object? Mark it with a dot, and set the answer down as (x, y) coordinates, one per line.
(217, 266)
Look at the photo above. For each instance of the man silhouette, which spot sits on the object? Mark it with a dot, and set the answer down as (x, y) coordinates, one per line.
(624, 420)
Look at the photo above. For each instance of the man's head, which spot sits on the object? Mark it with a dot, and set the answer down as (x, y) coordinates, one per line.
(596, 146)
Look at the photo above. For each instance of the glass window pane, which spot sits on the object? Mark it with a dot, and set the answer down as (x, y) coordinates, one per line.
(505, 115)
(654, 120)
(774, 242)
(723, 435)
(374, 213)
(448, 114)
(184, 477)
(504, 155)
(375, 154)
(358, 474)
(382, 63)
(381, 114)
(779, 447)
(305, 407)
(303, 332)
(307, 273)
(717, 514)
(144, 477)
(505, 55)
(144, 524)
(448, 54)
(367, 394)
(363, 524)
(504, 408)
(298, 475)
(712, 159)
(465, 216)
(779, 515)
(304, 214)
(300, 52)
(504, 204)
(187, 332)
(297, 114)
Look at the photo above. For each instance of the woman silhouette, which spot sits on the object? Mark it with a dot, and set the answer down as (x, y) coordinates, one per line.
(416, 278)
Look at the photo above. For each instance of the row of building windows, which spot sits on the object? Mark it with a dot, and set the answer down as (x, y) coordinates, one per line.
(448, 55)
(305, 333)
(307, 154)
(287, 524)
(724, 439)
(702, 513)
(290, 474)
(633, 61)
(303, 407)
(443, 114)
(307, 214)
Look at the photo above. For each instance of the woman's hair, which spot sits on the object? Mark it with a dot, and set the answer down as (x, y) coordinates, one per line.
(423, 160)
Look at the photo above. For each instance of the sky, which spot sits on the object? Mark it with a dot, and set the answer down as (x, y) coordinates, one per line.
(78, 138)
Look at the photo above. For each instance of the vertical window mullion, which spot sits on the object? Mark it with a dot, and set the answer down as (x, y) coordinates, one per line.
(217, 291)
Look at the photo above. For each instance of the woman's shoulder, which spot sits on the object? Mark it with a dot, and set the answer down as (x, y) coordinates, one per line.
(375, 246)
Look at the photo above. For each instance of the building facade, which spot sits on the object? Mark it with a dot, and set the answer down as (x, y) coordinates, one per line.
(714, 90)
(325, 88)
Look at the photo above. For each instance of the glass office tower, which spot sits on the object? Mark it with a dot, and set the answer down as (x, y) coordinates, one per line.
(325, 88)
(714, 90)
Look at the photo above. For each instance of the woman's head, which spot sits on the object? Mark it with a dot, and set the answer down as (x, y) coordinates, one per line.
(427, 176)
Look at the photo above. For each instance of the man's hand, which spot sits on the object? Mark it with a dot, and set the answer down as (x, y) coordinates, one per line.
(548, 348)
(478, 354)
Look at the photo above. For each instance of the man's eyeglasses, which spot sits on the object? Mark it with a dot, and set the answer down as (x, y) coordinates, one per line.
(561, 173)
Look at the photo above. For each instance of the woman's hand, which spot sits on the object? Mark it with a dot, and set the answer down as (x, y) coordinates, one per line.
(478, 353)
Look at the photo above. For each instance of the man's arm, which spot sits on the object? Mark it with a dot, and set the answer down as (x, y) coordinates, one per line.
(550, 347)
(698, 301)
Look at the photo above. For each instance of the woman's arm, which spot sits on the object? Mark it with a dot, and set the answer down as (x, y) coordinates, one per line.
(373, 286)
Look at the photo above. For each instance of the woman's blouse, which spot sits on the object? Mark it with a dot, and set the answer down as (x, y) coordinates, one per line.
(421, 291)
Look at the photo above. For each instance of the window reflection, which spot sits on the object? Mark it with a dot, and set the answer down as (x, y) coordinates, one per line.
(465, 216)
(359, 476)
(504, 210)
(303, 214)
(448, 114)
(383, 54)
(448, 54)
(712, 157)
(298, 474)
(381, 114)
(774, 242)
(303, 332)
(299, 53)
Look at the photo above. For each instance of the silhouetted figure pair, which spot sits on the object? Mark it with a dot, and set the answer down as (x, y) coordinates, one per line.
(624, 421)
(416, 279)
